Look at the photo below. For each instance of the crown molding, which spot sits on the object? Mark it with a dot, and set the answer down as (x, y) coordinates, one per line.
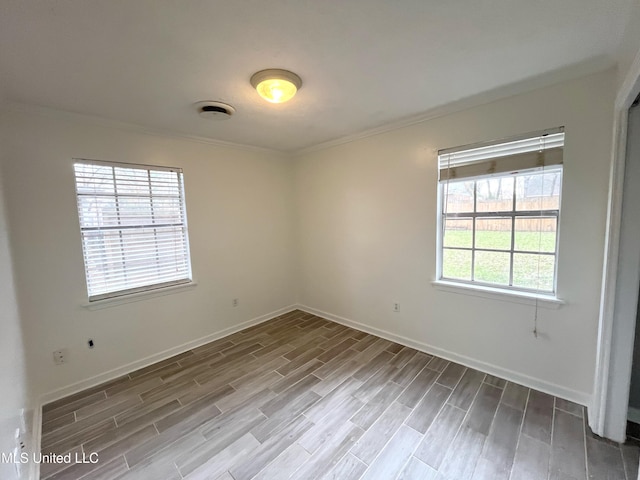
(388, 127)
(549, 79)
(32, 109)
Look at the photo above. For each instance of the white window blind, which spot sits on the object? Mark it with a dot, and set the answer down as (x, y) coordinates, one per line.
(134, 227)
(526, 154)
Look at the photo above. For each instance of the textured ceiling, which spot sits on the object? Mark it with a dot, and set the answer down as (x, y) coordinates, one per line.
(364, 63)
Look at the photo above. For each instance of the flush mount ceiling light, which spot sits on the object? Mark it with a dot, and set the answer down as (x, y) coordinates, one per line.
(276, 86)
(212, 110)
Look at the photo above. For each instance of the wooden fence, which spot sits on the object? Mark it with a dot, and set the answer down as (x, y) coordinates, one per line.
(524, 224)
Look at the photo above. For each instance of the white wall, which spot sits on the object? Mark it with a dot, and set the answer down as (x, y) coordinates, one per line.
(357, 234)
(367, 238)
(239, 208)
(12, 357)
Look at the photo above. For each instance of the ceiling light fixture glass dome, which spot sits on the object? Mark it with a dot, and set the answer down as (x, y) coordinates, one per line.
(276, 86)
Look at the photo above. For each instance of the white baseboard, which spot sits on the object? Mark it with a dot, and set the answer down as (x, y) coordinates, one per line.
(580, 398)
(158, 357)
(34, 472)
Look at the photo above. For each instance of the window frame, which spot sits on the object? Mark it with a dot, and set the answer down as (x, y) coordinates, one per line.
(512, 214)
(478, 285)
(150, 288)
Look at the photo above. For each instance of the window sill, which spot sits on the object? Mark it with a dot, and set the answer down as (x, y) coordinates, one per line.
(545, 301)
(137, 297)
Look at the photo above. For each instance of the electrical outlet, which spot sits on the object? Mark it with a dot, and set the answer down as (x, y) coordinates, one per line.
(20, 440)
(396, 307)
(235, 302)
(60, 356)
(19, 450)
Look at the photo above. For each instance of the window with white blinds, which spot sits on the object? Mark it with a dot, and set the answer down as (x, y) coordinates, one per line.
(500, 210)
(134, 227)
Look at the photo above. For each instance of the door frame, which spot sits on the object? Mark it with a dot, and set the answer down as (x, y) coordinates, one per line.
(609, 404)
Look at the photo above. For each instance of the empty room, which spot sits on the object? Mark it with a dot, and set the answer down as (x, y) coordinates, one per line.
(319, 240)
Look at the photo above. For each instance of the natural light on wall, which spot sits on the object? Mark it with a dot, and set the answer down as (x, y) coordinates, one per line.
(500, 208)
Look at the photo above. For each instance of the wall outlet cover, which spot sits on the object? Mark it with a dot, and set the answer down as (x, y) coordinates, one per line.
(60, 356)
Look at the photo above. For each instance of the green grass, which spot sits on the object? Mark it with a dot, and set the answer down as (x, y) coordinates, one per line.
(524, 241)
(493, 267)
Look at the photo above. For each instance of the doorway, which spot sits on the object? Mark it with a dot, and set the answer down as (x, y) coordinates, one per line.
(630, 251)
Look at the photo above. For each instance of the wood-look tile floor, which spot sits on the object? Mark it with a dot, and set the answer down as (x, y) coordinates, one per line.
(304, 398)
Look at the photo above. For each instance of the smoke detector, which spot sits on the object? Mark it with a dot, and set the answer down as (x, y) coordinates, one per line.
(215, 110)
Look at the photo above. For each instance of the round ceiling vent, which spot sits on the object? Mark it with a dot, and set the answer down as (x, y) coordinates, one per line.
(215, 110)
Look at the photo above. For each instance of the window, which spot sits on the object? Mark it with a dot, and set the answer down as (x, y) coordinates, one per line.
(500, 206)
(134, 227)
